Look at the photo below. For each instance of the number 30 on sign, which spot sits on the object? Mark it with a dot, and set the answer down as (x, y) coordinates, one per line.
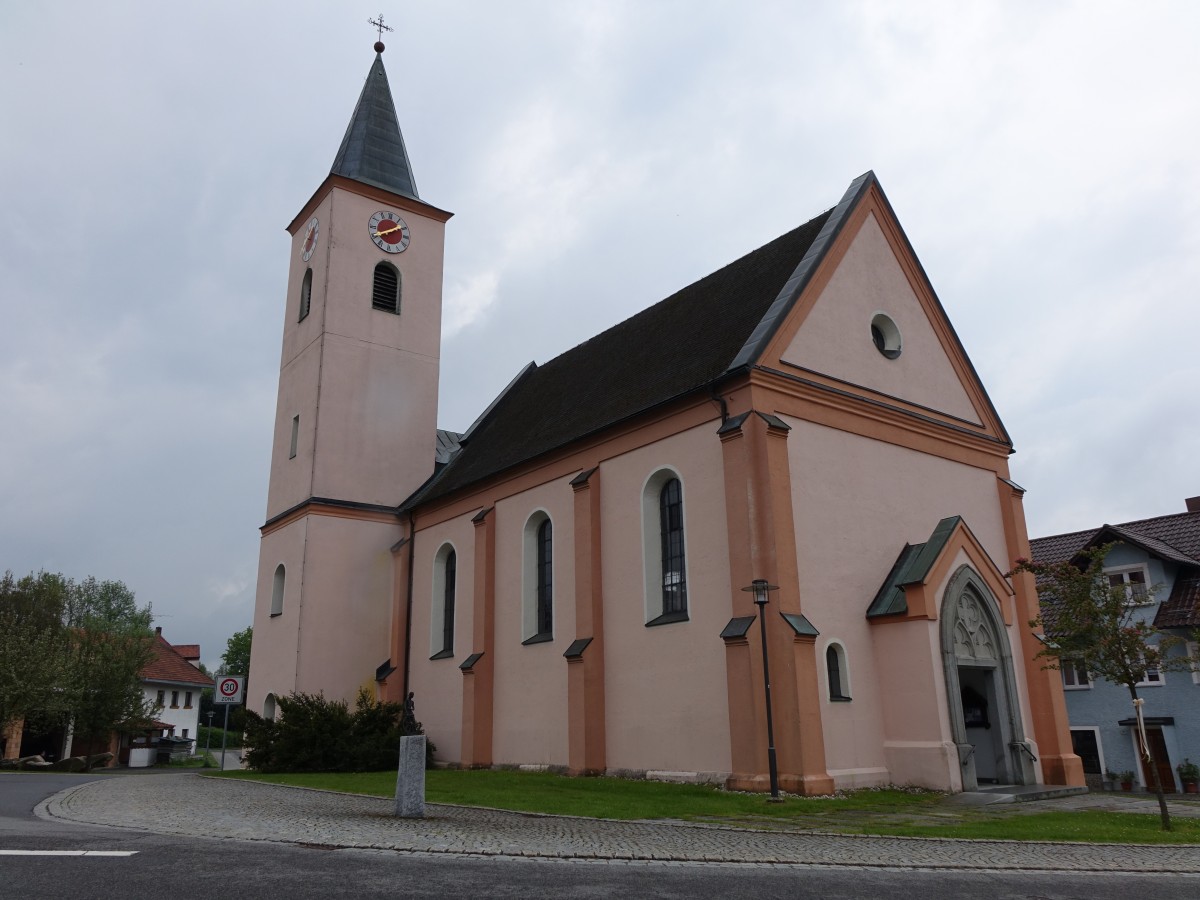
(229, 689)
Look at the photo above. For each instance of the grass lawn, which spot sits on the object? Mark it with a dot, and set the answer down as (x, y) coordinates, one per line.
(890, 812)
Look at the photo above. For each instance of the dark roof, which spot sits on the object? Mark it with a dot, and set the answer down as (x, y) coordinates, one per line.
(1175, 538)
(372, 150)
(170, 668)
(677, 346)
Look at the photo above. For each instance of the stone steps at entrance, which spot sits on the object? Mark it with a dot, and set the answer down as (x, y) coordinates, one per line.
(1015, 793)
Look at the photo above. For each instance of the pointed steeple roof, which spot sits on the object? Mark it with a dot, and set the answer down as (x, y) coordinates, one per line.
(372, 150)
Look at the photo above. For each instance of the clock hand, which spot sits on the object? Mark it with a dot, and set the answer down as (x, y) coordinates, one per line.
(387, 231)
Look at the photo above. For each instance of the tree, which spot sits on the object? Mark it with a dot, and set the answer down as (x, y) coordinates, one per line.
(111, 643)
(1092, 623)
(34, 651)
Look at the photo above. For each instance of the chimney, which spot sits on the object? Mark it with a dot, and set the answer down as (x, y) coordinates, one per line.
(1193, 504)
(158, 628)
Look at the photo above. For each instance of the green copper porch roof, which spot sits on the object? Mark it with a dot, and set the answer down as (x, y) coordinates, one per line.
(911, 567)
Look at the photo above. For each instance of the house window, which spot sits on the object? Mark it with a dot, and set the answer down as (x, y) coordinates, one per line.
(174, 699)
(1074, 675)
(295, 436)
(445, 577)
(187, 702)
(664, 549)
(305, 295)
(1152, 676)
(385, 293)
(1133, 580)
(1193, 651)
(538, 601)
(162, 698)
(277, 591)
(185, 732)
(836, 671)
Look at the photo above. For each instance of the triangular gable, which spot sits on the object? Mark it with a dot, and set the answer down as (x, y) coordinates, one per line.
(820, 329)
(1107, 534)
(910, 589)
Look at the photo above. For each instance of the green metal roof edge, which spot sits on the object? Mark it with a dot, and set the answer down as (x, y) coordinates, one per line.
(800, 624)
(911, 566)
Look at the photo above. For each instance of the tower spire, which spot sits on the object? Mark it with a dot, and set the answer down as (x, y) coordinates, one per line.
(372, 149)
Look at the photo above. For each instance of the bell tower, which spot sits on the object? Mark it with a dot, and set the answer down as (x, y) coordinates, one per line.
(356, 415)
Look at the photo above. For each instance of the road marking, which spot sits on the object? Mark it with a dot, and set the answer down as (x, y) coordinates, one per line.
(68, 852)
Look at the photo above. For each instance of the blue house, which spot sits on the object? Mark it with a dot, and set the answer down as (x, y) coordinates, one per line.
(1158, 562)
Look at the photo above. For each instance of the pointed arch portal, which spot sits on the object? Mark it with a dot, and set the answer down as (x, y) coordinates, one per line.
(981, 688)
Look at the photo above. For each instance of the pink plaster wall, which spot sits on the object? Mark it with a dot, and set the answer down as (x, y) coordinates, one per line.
(346, 605)
(530, 721)
(273, 651)
(857, 501)
(438, 684)
(835, 338)
(666, 690)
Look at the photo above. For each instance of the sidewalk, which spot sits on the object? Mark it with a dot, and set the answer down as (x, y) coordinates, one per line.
(223, 808)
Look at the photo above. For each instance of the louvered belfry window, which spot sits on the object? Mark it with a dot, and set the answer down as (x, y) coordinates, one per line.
(385, 295)
(305, 295)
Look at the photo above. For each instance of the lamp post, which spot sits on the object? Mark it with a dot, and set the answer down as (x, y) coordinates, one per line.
(761, 589)
(207, 737)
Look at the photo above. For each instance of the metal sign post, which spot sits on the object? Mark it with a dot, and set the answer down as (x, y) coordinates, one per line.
(229, 692)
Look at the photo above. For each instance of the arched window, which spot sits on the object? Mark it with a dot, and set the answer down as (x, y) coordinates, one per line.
(670, 523)
(537, 615)
(835, 669)
(445, 577)
(305, 295)
(385, 294)
(277, 591)
(269, 708)
(664, 548)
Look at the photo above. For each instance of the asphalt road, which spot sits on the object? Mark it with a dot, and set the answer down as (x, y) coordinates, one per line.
(163, 865)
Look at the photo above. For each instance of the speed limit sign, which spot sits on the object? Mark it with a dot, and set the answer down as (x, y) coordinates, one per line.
(229, 689)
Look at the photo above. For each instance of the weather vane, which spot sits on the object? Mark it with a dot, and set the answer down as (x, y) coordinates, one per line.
(381, 28)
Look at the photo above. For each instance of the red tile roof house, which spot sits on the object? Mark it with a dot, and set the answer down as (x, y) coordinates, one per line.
(1158, 560)
(174, 681)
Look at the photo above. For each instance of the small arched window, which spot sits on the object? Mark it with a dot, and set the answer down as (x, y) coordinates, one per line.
(445, 578)
(670, 518)
(277, 586)
(305, 295)
(385, 293)
(835, 669)
(269, 708)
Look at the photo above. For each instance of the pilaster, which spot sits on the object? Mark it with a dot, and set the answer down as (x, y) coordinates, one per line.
(479, 668)
(586, 753)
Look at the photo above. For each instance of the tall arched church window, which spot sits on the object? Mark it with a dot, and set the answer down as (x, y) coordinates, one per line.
(674, 576)
(545, 578)
(385, 292)
(277, 586)
(537, 603)
(305, 295)
(445, 586)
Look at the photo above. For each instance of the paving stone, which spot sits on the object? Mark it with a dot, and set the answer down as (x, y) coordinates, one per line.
(212, 807)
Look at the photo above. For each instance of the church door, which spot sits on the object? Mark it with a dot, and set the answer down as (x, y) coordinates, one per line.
(981, 688)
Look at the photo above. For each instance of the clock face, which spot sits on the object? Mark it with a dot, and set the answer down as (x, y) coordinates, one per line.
(309, 244)
(389, 232)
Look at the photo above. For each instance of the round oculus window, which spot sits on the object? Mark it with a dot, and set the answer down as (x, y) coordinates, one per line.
(886, 335)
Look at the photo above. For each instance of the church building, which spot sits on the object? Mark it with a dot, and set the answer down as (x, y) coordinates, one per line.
(569, 582)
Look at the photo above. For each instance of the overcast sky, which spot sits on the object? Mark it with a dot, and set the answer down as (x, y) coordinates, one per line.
(1043, 157)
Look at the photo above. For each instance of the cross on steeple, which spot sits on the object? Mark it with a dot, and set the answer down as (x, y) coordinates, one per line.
(381, 28)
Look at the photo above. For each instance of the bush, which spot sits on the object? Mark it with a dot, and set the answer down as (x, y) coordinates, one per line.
(313, 734)
(212, 736)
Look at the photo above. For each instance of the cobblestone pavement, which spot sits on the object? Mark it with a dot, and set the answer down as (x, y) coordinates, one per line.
(211, 807)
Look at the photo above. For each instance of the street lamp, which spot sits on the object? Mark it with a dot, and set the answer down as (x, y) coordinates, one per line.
(761, 589)
(207, 737)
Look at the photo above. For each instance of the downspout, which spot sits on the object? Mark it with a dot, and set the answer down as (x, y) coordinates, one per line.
(724, 407)
(412, 541)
